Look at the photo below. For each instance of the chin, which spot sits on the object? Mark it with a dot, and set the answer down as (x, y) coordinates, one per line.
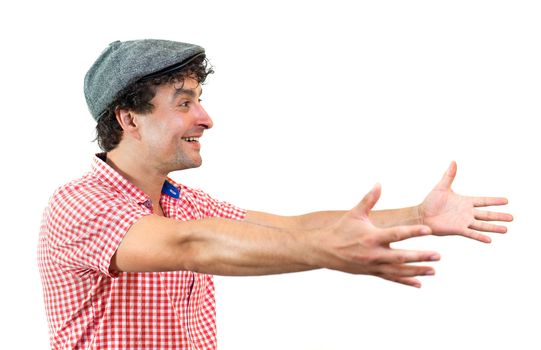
(197, 163)
(189, 165)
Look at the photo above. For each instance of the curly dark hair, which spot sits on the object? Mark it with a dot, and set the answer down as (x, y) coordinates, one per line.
(138, 95)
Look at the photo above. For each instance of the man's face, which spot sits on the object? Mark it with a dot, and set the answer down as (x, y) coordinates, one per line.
(170, 134)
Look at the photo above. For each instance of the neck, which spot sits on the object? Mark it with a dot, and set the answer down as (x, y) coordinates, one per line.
(141, 174)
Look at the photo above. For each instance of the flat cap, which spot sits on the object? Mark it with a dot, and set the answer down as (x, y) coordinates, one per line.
(123, 63)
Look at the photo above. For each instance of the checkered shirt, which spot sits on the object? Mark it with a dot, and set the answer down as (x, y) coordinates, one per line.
(88, 306)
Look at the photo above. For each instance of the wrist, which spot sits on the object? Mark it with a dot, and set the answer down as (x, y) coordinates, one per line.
(316, 253)
(419, 214)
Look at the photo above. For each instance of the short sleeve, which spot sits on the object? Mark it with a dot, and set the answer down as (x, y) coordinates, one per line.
(85, 229)
(214, 208)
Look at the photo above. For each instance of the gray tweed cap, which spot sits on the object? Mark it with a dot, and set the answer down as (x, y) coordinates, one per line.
(124, 62)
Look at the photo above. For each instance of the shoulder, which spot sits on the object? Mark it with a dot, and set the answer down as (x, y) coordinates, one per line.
(210, 206)
(87, 194)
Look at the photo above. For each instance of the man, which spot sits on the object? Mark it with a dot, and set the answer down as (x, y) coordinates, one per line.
(127, 255)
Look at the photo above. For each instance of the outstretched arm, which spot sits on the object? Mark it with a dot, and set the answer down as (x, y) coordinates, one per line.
(227, 247)
(380, 218)
(444, 211)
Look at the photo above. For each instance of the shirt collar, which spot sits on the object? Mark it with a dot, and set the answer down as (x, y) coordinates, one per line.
(107, 174)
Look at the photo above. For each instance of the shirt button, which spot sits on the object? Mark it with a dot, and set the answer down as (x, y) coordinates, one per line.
(148, 204)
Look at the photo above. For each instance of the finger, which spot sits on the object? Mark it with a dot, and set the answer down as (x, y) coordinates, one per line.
(486, 227)
(469, 233)
(367, 203)
(448, 177)
(492, 216)
(408, 281)
(400, 256)
(400, 233)
(404, 270)
(488, 201)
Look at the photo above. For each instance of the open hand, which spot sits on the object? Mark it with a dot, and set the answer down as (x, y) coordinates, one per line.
(355, 245)
(448, 213)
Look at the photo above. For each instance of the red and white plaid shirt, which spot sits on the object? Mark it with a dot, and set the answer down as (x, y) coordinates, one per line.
(87, 306)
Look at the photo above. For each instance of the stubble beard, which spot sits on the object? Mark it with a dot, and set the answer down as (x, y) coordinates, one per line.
(186, 160)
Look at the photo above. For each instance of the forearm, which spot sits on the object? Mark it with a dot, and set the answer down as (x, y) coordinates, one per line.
(395, 217)
(380, 218)
(234, 248)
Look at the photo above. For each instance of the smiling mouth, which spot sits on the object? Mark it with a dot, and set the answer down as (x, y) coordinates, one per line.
(191, 139)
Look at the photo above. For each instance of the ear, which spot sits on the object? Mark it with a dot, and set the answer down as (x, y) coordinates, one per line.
(128, 122)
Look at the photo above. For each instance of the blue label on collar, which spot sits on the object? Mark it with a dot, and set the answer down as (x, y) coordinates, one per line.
(170, 190)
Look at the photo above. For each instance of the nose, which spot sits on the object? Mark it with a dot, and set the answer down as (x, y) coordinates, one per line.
(203, 119)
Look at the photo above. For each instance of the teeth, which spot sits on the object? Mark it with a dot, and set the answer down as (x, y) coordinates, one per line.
(190, 139)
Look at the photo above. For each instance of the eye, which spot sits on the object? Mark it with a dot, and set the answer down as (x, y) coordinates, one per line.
(186, 104)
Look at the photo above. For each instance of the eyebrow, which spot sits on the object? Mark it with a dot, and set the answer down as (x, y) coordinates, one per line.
(190, 92)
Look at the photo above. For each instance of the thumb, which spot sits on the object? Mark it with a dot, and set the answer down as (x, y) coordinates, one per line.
(367, 203)
(448, 178)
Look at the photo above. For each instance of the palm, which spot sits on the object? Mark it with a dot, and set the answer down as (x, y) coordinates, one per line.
(448, 213)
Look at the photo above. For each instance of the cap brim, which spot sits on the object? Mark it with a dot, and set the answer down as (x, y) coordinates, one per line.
(175, 67)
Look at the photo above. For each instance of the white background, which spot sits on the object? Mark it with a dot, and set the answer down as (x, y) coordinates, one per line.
(313, 102)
